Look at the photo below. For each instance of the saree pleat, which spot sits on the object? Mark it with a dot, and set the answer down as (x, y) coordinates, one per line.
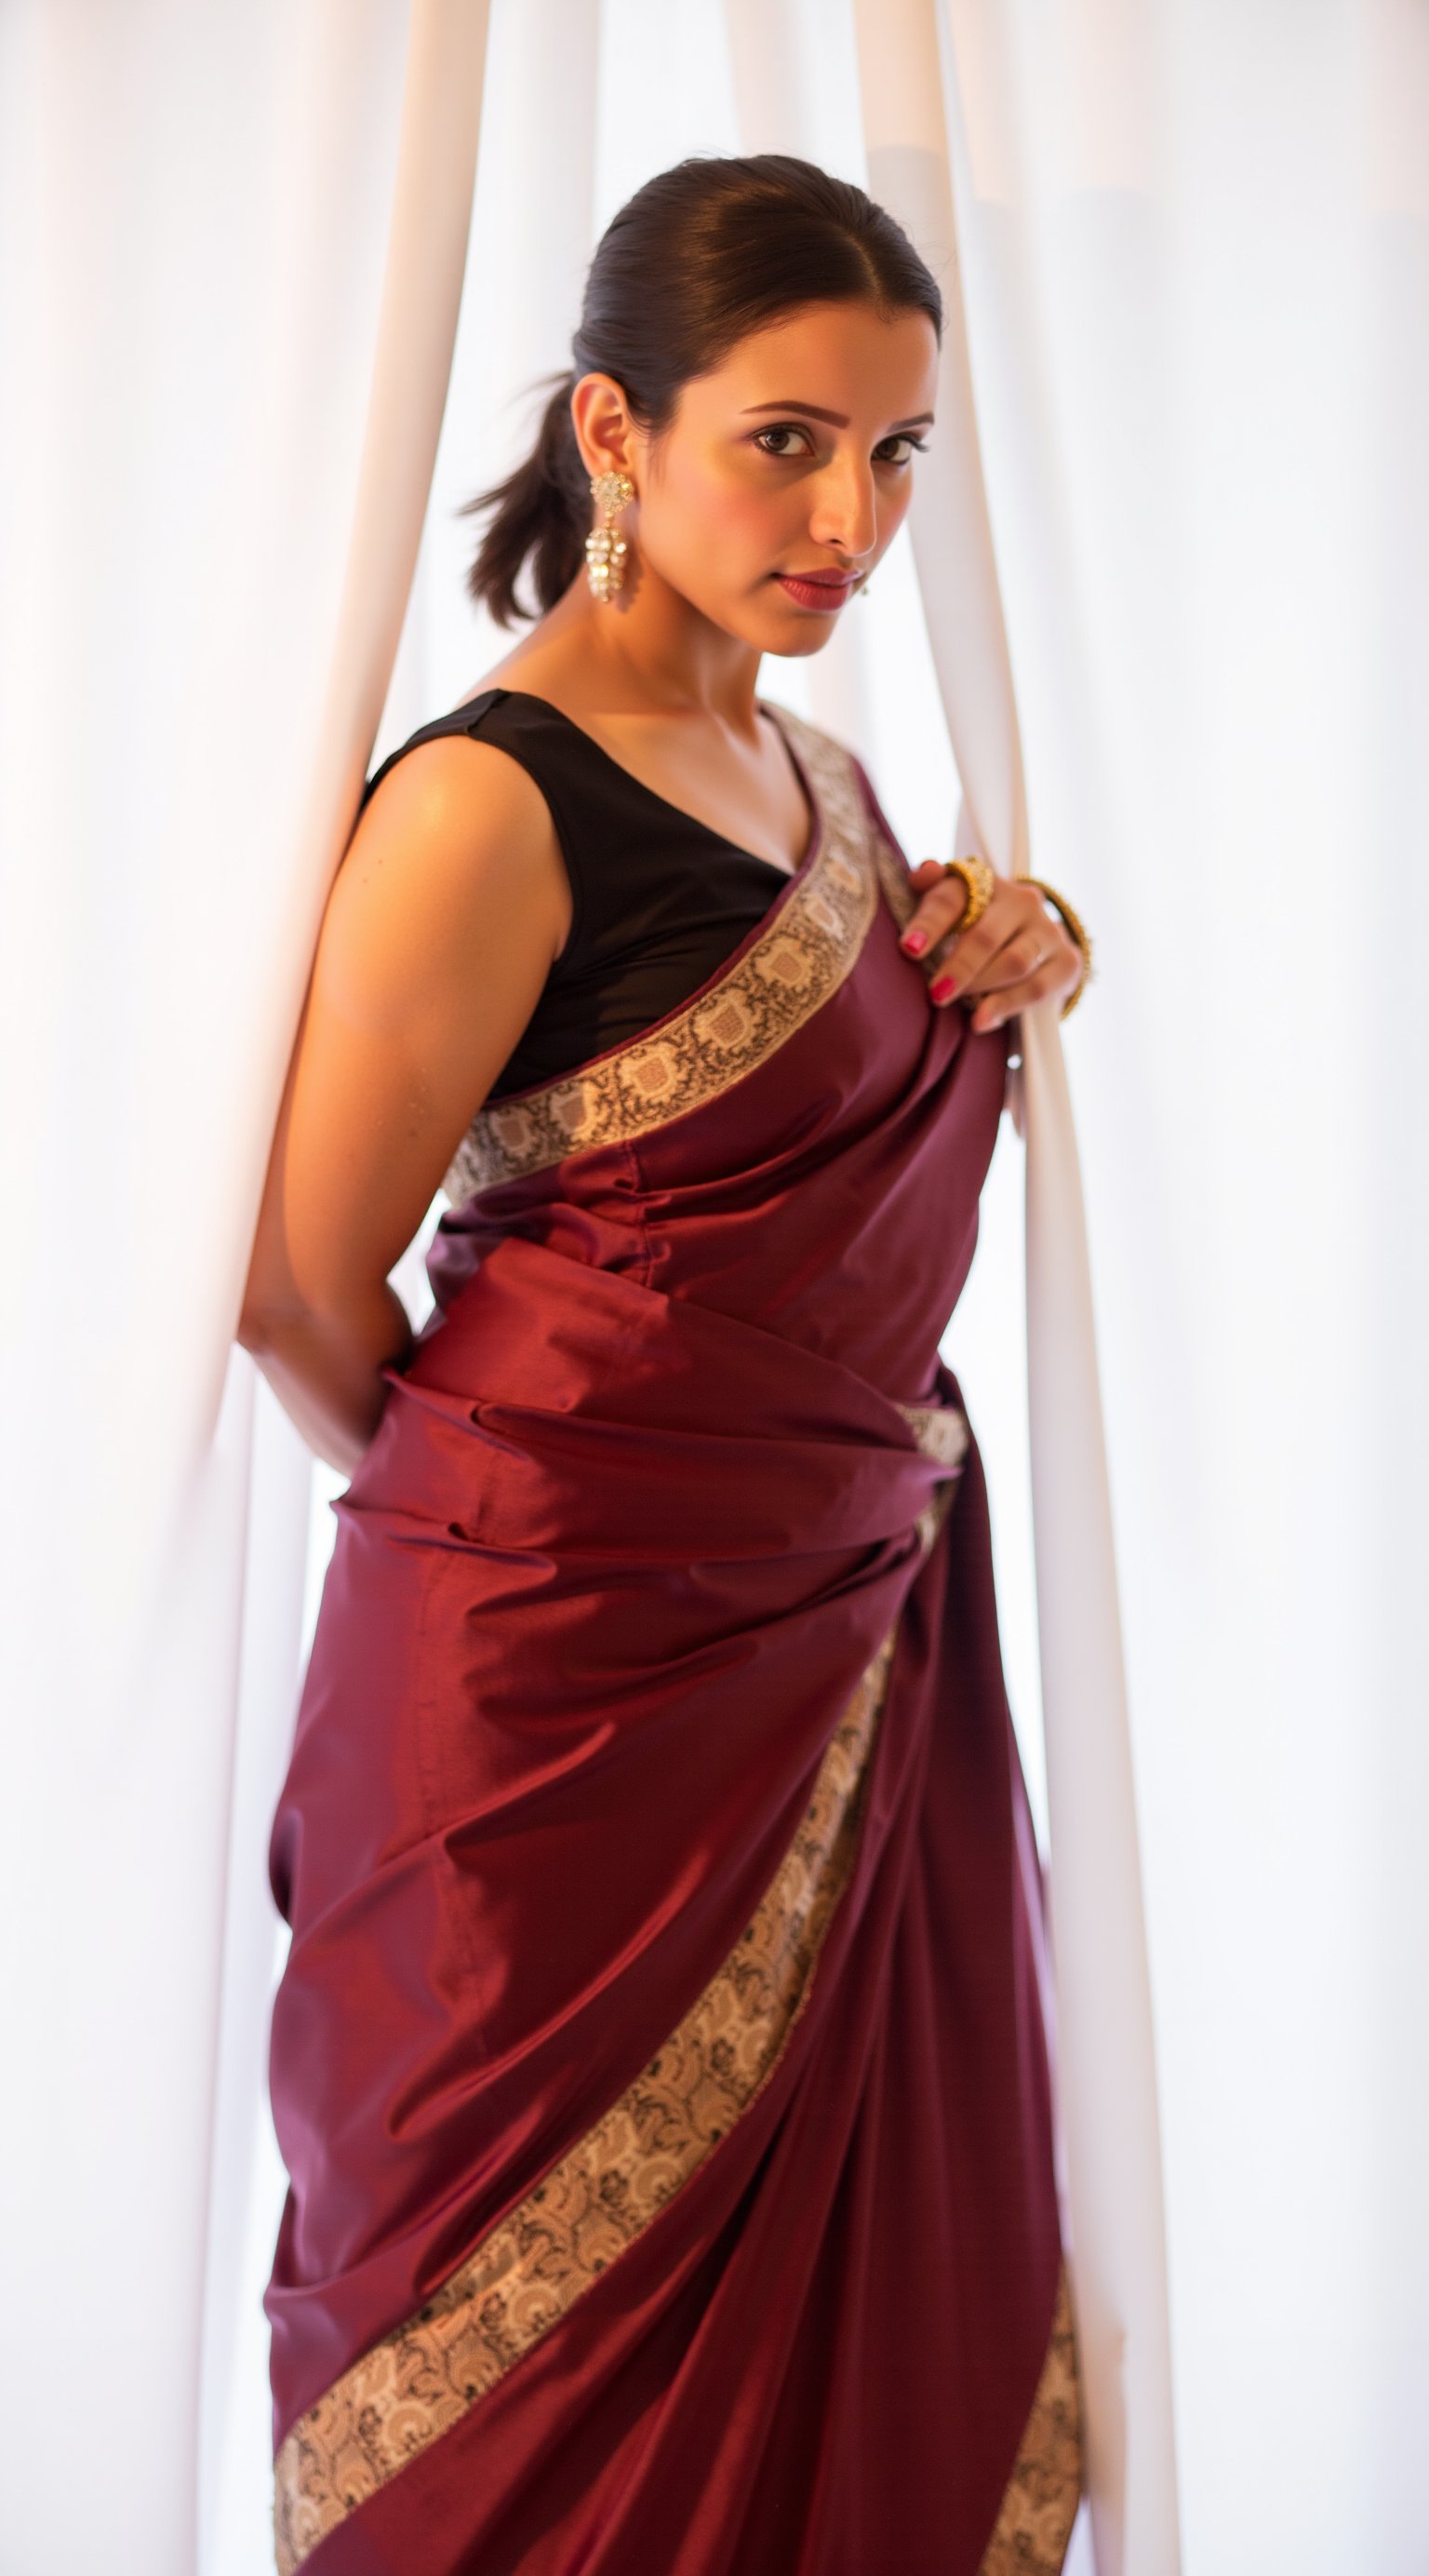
(660, 2062)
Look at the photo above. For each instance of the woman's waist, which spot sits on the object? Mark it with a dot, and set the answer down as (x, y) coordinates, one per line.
(529, 1324)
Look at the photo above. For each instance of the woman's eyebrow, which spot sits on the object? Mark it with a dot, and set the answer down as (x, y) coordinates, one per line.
(838, 419)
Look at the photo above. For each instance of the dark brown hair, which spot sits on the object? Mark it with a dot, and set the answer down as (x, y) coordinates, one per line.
(699, 257)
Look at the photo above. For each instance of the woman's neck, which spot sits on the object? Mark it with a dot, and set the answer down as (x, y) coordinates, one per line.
(652, 654)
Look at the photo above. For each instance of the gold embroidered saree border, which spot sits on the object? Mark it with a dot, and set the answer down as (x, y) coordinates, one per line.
(533, 2265)
(793, 967)
(941, 1431)
(894, 878)
(1040, 2500)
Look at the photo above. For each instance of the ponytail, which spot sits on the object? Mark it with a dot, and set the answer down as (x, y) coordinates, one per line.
(705, 253)
(542, 512)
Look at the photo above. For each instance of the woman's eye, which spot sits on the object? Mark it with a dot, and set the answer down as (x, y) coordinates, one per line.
(780, 429)
(786, 429)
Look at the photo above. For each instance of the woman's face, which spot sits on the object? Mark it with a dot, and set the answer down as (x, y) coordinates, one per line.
(793, 457)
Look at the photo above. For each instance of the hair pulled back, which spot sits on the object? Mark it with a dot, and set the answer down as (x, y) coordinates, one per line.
(703, 254)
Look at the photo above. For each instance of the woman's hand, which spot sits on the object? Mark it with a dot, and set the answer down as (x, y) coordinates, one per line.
(1017, 953)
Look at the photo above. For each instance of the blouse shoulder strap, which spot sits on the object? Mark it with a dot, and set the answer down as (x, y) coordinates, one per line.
(463, 719)
(562, 758)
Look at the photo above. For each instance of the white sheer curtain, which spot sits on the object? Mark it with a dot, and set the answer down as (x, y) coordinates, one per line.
(1194, 249)
(1196, 259)
(1194, 244)
(233, 251)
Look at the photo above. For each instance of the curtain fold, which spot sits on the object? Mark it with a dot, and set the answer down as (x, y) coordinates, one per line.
(441, 104)
(218, 431)
(1195, 245)
(1106, 2058)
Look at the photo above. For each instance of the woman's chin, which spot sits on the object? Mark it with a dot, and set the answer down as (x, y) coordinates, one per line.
(796, 646)
(791, 634)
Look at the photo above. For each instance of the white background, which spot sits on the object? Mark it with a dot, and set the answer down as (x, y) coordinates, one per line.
(1197, 268)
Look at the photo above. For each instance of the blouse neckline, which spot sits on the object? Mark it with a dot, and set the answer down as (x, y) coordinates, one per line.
(786, 876)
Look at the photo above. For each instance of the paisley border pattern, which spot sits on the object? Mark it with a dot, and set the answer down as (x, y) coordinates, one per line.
(1040, 2500)
(941, 1431)
(533, 2265)
(894, 877)
(809, 946)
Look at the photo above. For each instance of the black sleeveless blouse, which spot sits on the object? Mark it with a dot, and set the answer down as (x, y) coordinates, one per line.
(659, 900)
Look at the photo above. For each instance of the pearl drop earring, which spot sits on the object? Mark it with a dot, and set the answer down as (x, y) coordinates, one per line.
(605, 547)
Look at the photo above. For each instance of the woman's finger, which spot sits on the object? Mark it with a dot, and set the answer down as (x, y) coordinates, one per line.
(1015, 940)
(944, 900)
(1014, 911)
(1013, 944)
(1003, 962)
(994, 1008)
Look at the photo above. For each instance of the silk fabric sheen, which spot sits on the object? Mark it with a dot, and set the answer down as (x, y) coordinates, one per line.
(660, 2064)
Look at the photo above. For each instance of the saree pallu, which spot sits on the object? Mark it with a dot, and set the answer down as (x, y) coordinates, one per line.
(662, 2063)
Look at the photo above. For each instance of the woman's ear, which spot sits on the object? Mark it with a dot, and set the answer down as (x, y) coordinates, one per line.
(605, 432)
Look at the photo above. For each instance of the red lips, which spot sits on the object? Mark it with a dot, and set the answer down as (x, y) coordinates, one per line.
(823, 591)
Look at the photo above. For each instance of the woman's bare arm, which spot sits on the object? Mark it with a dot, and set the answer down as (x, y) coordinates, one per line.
(450, 904)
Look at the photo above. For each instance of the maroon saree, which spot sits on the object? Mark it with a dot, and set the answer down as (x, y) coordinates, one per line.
(661, 2063)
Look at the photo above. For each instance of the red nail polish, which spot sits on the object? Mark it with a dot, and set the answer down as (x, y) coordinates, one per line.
(915, 941)
(942, 989)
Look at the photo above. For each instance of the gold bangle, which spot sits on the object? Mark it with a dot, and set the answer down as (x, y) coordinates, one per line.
(977, 876)
(1078, 930)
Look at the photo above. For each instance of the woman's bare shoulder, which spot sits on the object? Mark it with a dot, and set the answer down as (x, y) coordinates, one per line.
(454, 785)
(449, 907)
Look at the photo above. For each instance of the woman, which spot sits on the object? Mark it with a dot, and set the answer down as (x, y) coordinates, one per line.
(659, 2064)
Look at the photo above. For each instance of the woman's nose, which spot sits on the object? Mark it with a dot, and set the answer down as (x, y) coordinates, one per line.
(845, 512)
